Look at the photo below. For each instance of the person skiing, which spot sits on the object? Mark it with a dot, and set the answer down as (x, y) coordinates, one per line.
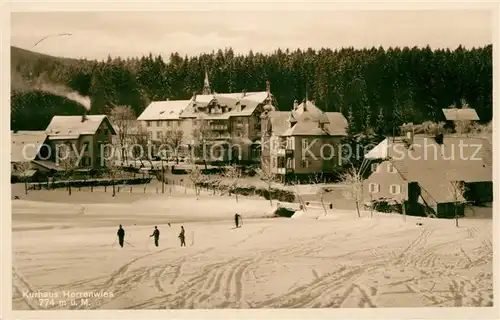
(182, 237)
(156, 234)
(121, 235)
(237, 220)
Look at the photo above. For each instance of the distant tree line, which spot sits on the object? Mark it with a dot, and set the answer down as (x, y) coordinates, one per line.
(376, 89)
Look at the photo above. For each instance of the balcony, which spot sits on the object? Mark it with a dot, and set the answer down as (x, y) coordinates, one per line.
(219, 127)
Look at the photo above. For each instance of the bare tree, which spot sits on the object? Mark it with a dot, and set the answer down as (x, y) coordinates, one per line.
(217, 183)
(174, 139)
(233, 175)
(353, 179)
(401, 200)
(113, 172)
(20, 169)
(196, 176)
(141, 143)
(202, 132)
(457, 191)
(265, 174)
(122, 118)
(68, 163)
(319, 179)
(302, 203)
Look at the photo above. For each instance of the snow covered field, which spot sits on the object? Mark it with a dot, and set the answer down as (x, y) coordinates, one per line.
(68, 250)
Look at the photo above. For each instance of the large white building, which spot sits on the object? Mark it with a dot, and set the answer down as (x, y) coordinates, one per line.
(230, 122)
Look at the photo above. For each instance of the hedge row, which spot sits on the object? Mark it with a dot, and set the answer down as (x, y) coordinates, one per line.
(275, 194)
(88, 183)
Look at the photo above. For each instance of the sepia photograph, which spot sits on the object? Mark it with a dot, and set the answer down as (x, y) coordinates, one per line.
(239, 159)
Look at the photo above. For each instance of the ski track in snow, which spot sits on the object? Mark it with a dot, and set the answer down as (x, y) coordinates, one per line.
(277, 263)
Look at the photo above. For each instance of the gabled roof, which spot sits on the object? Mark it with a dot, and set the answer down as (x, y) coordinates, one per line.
(164, 110)
(71, 127)
(180, 109)
(435, 166)
(306, 128)
(279, 121)
(455, 114)
(29, 141)
(204, 99)
(248, 101)
(308, 107)
(337, 123)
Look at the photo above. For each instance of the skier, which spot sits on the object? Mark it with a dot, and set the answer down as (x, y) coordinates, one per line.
(237, 220)
(182, 237)
(156, 234)
(121, 235)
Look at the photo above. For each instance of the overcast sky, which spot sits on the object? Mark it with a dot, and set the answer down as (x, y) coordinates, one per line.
(97, 34)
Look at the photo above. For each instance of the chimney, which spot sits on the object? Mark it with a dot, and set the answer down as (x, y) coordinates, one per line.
(194, 95)
(268, 87)
(295, 104)
(84, 117)
(305, 104)
(168, 99)
(243, 93)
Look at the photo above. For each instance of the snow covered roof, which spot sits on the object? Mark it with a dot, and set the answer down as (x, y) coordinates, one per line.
(71, 127)
(463, 114)
(164, 110)
(25, 145)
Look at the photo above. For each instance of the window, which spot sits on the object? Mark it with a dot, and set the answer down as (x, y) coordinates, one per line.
(158, 123)
(304, 163)
(390, 168)
(281, 162)
(148, 123)
(106, 132)
(274, 162)
(150, 135)
(374, 187)
(86, 146)
(85, 161)
(159, 135)
(375, 167)
(395, 189)
(304, 143)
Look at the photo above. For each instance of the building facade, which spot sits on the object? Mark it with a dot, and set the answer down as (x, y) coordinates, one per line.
(215, 126)
(303, 142)
(87, 137)
(423, 172)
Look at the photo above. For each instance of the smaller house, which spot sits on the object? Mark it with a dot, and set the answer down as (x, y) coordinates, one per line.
(304, 141)
(26, 147)
(423, 172)
(87, 136)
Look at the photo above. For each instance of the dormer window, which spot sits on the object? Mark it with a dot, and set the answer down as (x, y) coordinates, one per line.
(243, 107)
